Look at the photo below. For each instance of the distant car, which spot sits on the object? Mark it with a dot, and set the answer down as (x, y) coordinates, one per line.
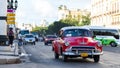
(41, 38)
(29, 38)
(49, 38)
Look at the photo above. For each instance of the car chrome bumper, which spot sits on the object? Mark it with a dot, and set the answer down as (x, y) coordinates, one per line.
(74, 54)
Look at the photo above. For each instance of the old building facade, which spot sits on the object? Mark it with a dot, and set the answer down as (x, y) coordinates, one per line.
(77, 14)
(105, 13)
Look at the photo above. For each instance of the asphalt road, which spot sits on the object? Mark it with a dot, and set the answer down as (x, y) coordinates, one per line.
(43, 57)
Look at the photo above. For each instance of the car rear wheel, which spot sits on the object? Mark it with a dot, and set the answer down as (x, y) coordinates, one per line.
(46, 43)
(96, 58)
(34, 43)
(64, 58)
(24, 43)
(52, 48)
(56, 55)
(113, 44)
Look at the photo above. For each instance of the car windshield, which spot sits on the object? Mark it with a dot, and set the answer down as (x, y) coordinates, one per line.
(22, 32)
(76, 33)
(34, 33)
(52, 36)
(29, 36)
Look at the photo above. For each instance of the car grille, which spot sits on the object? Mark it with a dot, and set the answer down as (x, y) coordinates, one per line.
(50, 41)
(83, 49)
(30, 40)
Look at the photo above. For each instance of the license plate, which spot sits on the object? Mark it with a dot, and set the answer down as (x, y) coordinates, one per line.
(30, 40)
(84, 54)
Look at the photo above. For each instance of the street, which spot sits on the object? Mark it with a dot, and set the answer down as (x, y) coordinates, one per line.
(43, 57)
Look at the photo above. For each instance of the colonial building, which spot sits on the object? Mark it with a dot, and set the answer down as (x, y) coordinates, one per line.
(105, 13)
(64, 13)
(27, 26)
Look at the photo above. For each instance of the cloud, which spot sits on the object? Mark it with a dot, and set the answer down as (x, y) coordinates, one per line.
(43, 7)
(36, 10)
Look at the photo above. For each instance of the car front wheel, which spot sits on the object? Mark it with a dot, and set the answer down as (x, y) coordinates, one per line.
(96, 58)
(65, 58)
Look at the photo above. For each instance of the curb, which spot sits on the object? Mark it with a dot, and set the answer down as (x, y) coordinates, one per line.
(9, 60)
(9, 55)
(24, 55)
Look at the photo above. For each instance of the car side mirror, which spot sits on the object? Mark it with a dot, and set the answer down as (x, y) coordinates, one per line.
(94, 36)
(60, 35)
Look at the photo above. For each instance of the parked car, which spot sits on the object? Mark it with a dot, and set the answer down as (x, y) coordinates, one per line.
(29, 38)
(76, 42)
(49, 38)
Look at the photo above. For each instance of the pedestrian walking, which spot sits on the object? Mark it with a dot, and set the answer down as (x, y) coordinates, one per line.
(10, 36)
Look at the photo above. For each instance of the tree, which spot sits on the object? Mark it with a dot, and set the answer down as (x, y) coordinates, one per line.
(40, 30)
(56, 26)
(85, 20)
(70, 21)
(36, 29)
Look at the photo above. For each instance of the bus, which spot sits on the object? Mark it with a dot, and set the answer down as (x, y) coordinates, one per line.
(107, 36)
(22, 33)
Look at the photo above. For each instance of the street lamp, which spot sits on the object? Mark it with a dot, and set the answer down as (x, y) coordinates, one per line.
(12, 4)
(9, 4)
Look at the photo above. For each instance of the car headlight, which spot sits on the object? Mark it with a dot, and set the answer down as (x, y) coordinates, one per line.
(99, 43)
(33, 39)
(67, 43)
(46, 39)
(25, 39)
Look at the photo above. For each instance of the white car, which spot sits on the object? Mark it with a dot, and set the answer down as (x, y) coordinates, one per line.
(29, 38)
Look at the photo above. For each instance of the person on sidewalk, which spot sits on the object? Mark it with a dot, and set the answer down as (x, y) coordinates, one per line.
(10, 36)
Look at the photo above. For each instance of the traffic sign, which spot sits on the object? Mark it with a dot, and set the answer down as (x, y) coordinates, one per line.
(10, 14)
(10, 18)
(10, 10)
(11, 22)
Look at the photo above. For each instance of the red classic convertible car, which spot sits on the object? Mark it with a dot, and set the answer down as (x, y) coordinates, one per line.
(76, 42)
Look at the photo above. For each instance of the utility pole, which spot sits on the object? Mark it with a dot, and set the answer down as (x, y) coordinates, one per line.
(11, 8)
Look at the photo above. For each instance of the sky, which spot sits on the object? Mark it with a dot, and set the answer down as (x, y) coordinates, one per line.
(34, 11)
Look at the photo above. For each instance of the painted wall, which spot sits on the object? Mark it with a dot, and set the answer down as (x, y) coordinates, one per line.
(3, 12)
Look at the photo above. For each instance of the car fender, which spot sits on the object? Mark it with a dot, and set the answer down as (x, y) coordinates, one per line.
(55, 46)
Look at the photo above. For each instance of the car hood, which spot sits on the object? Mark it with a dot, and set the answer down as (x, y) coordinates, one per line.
(51, 38)
(87, 41)
(29, 38)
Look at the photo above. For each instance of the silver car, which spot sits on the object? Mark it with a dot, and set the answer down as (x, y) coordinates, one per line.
(29, 38)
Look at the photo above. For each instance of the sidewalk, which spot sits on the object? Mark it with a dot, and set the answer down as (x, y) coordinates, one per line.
(9, 55)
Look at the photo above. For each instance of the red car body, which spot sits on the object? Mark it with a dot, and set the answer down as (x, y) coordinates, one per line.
(76, 46)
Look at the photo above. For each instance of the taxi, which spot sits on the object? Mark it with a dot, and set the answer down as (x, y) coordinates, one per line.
(76, 42)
